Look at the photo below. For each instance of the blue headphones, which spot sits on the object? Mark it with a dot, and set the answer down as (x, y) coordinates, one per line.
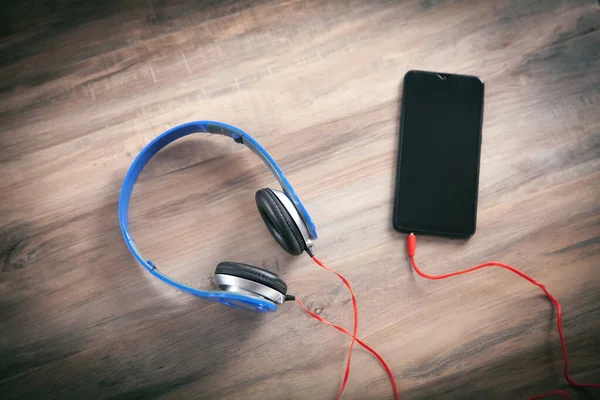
(242, 285)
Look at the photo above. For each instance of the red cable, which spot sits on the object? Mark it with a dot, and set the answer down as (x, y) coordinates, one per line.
(552, 393)
(354, 330)
(360, 342)
(353, 335)
(412, 247)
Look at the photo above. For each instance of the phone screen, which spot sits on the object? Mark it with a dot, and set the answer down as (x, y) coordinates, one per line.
(438, 154)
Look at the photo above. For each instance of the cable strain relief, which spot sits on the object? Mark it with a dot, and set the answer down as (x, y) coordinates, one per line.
(289, 297)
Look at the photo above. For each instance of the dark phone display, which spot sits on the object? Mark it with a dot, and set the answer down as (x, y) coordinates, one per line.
(438, 160)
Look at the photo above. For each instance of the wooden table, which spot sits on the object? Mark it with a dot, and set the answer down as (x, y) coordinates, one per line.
(86, 85)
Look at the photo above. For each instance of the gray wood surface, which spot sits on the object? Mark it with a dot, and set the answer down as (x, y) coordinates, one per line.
(84, 85)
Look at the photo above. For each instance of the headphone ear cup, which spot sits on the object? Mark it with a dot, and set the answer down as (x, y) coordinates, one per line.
(279, 222)
(252, 273)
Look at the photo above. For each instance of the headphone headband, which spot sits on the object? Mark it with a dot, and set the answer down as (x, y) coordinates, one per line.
(232, 299)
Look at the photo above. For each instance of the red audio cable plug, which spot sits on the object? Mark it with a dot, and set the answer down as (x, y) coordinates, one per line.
(411, 243)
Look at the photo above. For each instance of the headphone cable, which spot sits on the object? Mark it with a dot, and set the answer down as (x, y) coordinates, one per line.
(352, 335)
(412, 247)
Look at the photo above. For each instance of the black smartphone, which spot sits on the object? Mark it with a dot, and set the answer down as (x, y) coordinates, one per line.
(437, 174)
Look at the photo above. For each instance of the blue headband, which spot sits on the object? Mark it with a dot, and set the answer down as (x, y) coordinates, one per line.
(239, 136)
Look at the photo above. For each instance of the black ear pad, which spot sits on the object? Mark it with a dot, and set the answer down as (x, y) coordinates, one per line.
(279, 222)
(253, 274)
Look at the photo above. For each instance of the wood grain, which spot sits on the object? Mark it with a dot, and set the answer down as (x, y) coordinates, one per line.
(85, 85)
